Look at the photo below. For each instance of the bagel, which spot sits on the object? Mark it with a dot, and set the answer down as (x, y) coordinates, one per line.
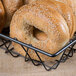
(45, 19)
(2, 16)
(10, 7)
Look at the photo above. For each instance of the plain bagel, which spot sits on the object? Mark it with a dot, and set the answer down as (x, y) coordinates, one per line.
(52, 24)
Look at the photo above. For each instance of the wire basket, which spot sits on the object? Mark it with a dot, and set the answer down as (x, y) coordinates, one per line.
(6, 43)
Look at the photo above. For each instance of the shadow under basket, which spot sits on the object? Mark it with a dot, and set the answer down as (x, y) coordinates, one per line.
(6, 44)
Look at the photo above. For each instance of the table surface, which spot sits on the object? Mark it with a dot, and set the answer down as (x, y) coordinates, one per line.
(10, 66)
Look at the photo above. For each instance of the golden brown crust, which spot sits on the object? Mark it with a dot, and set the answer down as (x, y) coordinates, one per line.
(45, 19)
(2, 16)
(10, 7)
(72, 4)
(63, 9)
(68, 15)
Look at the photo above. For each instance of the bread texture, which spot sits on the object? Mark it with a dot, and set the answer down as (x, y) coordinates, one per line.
(2, 16)
(45, 19)
(64, 9)
(71, 3)
(10, 7)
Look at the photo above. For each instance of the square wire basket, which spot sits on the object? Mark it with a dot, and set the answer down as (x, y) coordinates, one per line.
(6, 43)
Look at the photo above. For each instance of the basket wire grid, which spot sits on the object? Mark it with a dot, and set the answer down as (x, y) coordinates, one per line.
(6, 43)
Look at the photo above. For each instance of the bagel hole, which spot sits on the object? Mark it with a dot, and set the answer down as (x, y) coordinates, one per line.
(39, 35)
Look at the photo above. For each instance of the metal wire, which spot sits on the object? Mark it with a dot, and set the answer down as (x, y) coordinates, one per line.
(7, 42)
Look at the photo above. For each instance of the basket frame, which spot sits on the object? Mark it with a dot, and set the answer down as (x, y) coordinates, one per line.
(7, 42)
